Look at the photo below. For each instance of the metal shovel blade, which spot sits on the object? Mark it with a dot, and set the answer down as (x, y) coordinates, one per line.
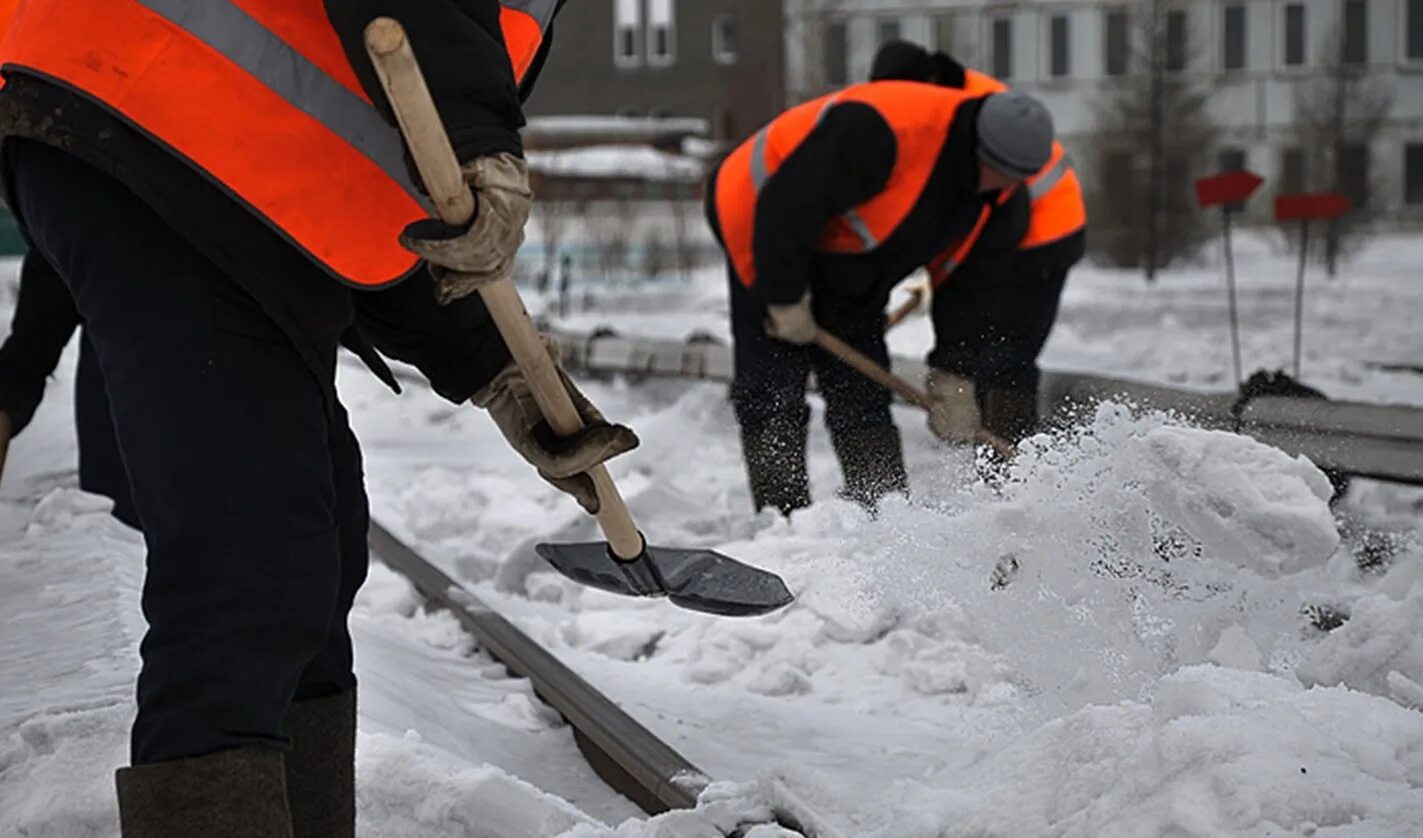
(698, 580)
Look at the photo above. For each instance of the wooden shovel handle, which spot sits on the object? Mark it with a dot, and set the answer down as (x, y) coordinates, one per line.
(906, 308)
(439, 169)
(895, 384)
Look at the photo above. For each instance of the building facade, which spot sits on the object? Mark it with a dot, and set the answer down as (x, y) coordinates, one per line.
(714, 60)
(1257, 58)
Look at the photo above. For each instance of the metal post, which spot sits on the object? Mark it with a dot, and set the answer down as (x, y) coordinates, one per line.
(1299, 289)
(1230, 286)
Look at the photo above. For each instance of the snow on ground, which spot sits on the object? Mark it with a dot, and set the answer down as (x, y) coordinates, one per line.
(1151, 667)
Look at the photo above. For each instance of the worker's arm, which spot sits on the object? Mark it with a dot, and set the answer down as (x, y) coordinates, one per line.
(44, 320)
(460, 47)
(455, 346)
(845, 161)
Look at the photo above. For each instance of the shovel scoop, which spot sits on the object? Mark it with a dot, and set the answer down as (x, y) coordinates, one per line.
(695, 579)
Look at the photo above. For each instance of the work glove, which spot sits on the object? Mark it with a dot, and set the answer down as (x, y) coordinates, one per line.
(562, 461)
(792, 323)
(953, 407)
(463, 259)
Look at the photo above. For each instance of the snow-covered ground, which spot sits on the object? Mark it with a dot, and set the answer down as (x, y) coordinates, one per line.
(1151, 669)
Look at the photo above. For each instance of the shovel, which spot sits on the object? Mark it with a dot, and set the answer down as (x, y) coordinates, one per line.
(700, 580)
(888, 380)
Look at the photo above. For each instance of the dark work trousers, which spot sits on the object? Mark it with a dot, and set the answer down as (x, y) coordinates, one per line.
(101, 466)
(768, 394)
(992, 329)
(244, 471)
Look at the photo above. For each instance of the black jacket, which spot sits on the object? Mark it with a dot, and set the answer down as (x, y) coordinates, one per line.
(846, 160)
(460, 47)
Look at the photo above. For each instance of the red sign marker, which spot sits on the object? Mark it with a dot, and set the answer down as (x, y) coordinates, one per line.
(1228, 188)
(1310, 206)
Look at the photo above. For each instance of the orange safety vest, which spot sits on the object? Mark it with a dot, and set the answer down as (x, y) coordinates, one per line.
(259, 97)
(918, 115)
(1058, 209)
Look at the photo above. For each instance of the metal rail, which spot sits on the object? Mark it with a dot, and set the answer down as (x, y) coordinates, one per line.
(626, 755)
(623, 753)
(1384, 442)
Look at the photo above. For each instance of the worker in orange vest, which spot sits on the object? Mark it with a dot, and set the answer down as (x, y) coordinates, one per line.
(991, 322)
(821, 213)
(222, 191)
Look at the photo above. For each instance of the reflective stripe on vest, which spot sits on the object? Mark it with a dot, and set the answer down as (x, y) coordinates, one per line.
(919, 116)
(259, 97)
(760, 173)
(1043, 182)
(1058, 210)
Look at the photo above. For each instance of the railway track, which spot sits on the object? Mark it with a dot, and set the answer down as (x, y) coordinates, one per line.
(621, 751)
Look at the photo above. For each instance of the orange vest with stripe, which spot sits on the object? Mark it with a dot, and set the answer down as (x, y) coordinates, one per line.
(919, 117)
(1058, 209)
(259, 97)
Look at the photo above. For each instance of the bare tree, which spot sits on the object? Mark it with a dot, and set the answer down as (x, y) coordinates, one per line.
(1338, 114)
(1154, 137)
(609, 222)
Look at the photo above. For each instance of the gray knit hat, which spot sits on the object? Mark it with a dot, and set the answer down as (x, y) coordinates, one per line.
(1015, 133)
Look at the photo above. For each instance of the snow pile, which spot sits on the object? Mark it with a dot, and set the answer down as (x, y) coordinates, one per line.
(1217, 752)
(1379, 650)
(408, 788)
(1133, 544)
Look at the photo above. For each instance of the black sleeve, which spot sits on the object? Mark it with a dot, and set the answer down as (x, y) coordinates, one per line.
(44, 320)
(455, 347)
(997, 246)
(843, 162)
(460, 47)
(961, 306)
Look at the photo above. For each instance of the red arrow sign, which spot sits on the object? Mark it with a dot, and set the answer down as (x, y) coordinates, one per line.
(1228, 188)
(1310, 206)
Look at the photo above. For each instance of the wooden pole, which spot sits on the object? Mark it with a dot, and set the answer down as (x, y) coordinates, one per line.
(1299, 292)
(439, 169)
(1234, 309)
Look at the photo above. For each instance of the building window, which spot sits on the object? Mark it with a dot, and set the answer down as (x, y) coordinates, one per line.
(1231, 159)
(1114, 42)
(627, 33)
(836, 48)
(886, 30)
(1233, 33)
(724, 44)
(1175, 41)
(1354, 47)
(1413, 173)
(661, 33)
(1003, 47)
(944, 32)
(1415, 30)
(1294, 34)
(1353, 173)
(1059, 59)
(1292, 180)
